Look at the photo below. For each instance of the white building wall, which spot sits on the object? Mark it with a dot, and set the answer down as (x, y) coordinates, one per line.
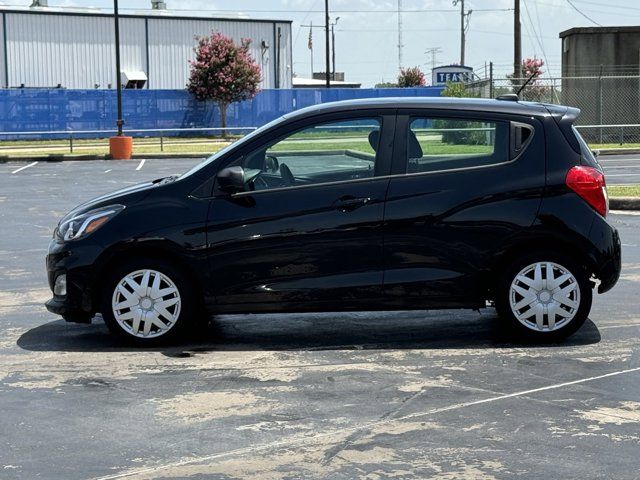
(133, 48)
(171, 43)
(286, 60)
(77, 51)
(46, 50)
(3, 77)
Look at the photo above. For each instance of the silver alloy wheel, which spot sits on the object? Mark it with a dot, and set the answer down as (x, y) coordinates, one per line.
(146, 303)
(544, 296)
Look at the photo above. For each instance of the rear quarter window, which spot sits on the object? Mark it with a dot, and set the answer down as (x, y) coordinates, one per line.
(588, 158)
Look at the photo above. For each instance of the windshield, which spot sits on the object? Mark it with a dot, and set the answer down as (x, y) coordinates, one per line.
(229, 147)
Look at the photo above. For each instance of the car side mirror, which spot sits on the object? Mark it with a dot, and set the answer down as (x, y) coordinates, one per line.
(231, 179)
(596, 153)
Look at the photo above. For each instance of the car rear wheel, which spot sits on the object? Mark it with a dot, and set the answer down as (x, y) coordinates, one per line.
(544, 296)
(148, 302)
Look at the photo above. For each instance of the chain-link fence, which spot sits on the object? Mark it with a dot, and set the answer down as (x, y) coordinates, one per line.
(610, 105)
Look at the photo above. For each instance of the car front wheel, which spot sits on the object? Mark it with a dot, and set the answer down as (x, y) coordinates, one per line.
(148, 302)
(544, 296)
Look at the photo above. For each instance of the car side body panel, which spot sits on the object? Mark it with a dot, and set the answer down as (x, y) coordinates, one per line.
(443, 229)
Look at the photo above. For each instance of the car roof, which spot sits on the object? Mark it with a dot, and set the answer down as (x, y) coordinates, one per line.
(442, 103)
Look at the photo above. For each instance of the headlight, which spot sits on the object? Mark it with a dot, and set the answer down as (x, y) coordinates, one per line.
(83, 224)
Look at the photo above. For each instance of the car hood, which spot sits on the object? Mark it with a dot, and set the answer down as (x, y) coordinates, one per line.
(125, 196)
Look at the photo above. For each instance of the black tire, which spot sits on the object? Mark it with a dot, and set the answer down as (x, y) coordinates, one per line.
(518, 330)
(189, 311)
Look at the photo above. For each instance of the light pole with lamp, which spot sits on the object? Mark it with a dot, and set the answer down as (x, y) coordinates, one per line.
(120, 146)
(333, 50)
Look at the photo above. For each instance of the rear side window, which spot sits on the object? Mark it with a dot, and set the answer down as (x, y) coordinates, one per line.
(587, 155)
(435, 144)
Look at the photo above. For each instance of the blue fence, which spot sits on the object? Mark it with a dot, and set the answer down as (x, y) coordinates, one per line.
(47, 110)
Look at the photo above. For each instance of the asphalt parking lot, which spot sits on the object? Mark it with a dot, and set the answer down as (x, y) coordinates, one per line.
(375, 395)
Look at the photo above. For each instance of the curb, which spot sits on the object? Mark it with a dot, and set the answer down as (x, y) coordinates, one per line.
(624, 203)
(618, 151)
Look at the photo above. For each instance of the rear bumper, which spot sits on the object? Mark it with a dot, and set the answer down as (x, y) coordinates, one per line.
(609, 256)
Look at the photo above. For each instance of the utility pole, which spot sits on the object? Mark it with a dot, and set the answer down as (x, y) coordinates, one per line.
(327, 65)
(517, 41)
(310, 45)
(333, 49)
(116, 18)
(462, 34)
(400, 35)
(464, 26)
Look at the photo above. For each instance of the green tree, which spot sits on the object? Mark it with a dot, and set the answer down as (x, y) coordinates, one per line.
(457, 90)
(453, 133)
(386, 85)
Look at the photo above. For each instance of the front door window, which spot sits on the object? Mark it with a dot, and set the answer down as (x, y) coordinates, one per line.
(328, 152)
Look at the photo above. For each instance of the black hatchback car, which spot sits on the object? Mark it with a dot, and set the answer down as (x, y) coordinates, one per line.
(380, 204)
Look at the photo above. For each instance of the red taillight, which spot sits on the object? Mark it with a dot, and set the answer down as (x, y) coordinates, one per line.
(588, 182)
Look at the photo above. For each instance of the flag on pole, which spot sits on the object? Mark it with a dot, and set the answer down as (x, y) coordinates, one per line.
(310, 43)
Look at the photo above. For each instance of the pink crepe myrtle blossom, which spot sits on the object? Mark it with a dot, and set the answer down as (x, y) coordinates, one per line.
(411, 77)
(223, 71)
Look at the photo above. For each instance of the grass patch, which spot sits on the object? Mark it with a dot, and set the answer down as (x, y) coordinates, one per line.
(623, 190)
(615, 146)
(309, 141)
(206, 148)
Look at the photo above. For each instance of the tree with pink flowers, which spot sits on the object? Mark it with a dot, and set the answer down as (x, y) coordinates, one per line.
(411, 77)
(535, 90)
(223, 72)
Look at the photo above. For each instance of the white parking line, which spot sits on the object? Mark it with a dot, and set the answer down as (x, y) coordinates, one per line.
(301, 441)
(140, 164)
(107, 171)
(26, 166)
(625, 212)
(629, 325)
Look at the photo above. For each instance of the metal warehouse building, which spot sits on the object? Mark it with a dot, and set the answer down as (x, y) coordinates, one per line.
(74, 48)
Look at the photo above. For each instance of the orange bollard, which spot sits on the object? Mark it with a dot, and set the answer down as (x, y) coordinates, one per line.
(120, 147)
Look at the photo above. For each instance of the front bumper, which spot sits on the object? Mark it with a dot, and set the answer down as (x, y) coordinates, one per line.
(76, 262)
(68, 311)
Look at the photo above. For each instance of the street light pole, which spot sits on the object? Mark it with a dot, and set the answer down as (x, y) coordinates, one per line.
(120, 146)
(327, 64)
(119, 120)
(333, 49)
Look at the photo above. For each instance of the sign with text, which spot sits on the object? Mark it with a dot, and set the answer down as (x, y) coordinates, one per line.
(451, 73)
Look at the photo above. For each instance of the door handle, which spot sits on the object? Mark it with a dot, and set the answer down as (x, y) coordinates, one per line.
(349, 203)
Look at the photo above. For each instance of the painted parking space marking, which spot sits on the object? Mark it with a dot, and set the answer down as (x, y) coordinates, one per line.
(625, 212)
(140, 164)
(24, 168)
(368, 425)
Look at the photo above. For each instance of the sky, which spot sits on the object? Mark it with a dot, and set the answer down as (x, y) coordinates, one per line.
(367, 30)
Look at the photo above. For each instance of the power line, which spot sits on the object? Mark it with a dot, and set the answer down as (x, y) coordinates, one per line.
(237, 10)
(583, 14)
(535, 32)
(600, 4)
